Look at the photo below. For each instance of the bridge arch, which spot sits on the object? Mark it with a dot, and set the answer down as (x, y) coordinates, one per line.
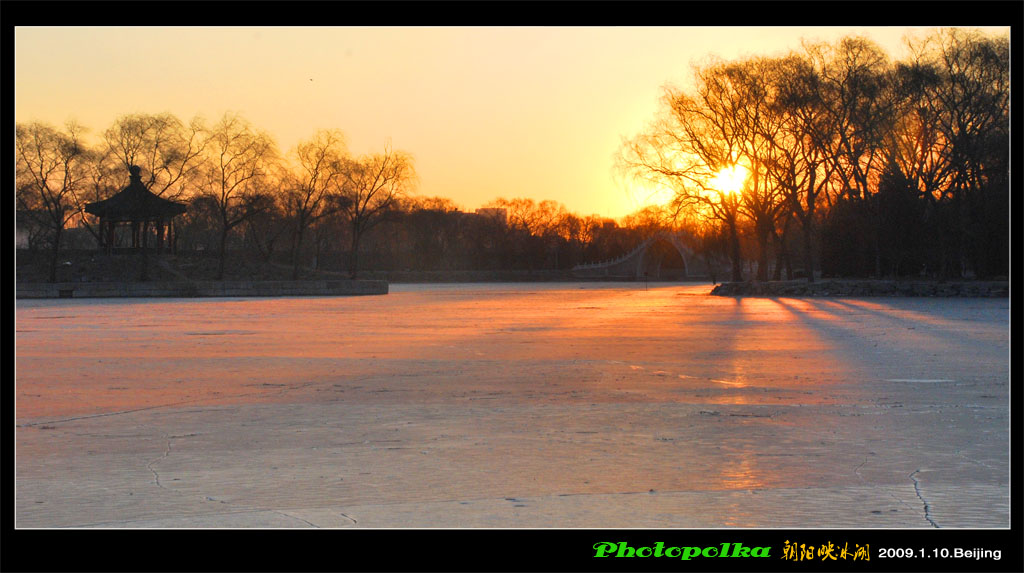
(662, 255)
(661, 259)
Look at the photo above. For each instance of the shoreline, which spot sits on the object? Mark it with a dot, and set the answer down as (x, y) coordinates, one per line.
(379, 285)
(195, 289)
(866, 288)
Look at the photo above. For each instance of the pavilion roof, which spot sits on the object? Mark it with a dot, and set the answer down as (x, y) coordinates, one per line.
(135, 203)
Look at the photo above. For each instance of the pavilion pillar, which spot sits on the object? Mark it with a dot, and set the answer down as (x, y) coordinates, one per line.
(160, 236)
(111, 236)
(135, 234)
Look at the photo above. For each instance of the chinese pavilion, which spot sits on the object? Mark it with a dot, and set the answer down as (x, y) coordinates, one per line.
(136, 206)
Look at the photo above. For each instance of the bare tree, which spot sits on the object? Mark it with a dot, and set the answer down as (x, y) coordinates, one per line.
(235, 175)
(104, 175)
(748, 99)
(974, 76)
(702, 135)
(168, 151)
(917, 145)
(314, 189)
(373, 186)
(955, 145)
(853, 88)
(265, 230)
(520, 213)
(651, 219)
(797, 162)
(50, 172)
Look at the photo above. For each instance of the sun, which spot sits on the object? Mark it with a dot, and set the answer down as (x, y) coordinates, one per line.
(730, 179)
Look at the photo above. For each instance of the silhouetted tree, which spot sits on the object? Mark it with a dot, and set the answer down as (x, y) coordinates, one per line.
(750, 112)
(104, 173)
(168, 151)
(373, 186)
(235, 175)
(965, 97)
(435, 228)
(817, 130)
(902, 232)
(265, 229)
(314, 189)
(50, 169)
(797, 162)
(856, 90)
(701, 134)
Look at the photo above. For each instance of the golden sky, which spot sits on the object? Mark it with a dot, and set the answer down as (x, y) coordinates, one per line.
(486, 112)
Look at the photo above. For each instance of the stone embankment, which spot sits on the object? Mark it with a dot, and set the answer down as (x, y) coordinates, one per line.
(854, 288)
(187, 289)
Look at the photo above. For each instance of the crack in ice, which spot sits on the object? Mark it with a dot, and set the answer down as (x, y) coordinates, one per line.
(248, 508)
(927, 508)
(856, 471)
(354, 522)
(294, 517)
(156, 476)
(980, 463)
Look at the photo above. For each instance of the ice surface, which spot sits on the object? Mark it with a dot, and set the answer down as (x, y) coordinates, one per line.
(513, 405)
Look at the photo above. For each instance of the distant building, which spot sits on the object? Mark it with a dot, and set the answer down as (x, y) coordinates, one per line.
(499, 214)
(21, 222)
(20, 238)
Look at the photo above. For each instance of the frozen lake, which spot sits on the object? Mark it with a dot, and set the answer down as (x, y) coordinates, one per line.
(513, 405)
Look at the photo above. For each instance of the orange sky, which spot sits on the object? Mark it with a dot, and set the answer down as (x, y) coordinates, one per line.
(486, 112)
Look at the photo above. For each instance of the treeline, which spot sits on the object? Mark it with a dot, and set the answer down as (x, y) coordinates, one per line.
(427, 234)
(316, 208)
(856, 165)
(230, 174)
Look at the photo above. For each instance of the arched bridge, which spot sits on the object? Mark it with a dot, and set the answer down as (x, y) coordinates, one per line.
(663, 255)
